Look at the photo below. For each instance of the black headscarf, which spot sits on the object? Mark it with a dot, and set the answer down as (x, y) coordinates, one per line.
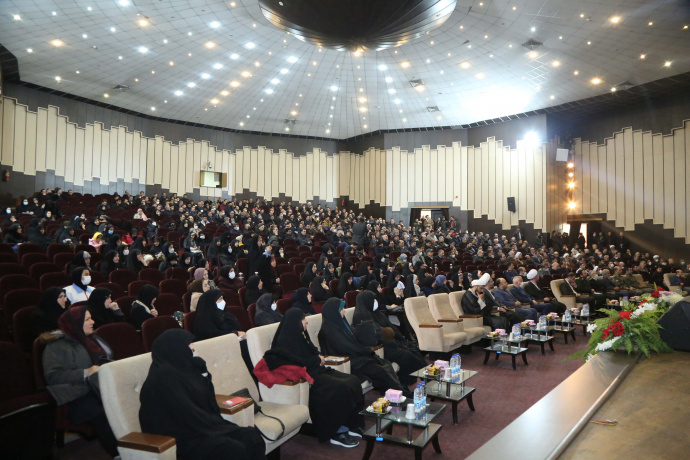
(336, 336)
(108, 265)
(308, 275)
(48, 310)
(253, 283)
(292, 337)
(79, 260)
(133, 262)
(300, 300)
(210, 320)
(147, 293)
(344, 285)
(213, 249)
(264, 313)
(410, 291)
(76, 277)
(392, 282)
(319, 294)
(364, 307)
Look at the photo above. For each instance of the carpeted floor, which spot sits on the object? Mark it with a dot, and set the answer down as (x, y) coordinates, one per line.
(501, 396)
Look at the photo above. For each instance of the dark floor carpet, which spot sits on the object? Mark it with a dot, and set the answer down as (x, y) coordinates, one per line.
(501, 396)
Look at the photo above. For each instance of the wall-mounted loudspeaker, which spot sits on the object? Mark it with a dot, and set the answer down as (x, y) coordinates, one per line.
(511, 203)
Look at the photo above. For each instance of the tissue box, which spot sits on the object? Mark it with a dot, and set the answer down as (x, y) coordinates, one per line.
(393, 395)
(441, 364)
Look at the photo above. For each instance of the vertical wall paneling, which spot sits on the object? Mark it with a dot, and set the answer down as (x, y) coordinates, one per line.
(274, 160)
(79, 156)
(173, 161)
(426, 172)
(29, 152)
(451, 172)
(539, 189)
(112, 156)
(70, 141)
(638, 179)
(491, 178)
(506, 187)
(514, 185)
(404, 180)
(611, 178)
(471, 177)
(290, 174)
(19, 137)
(260, 164)
(628, 180)
(253, 168)
(158, 161)
(8, 130)
(136, 156)
(658, 148)
(89, 152)
(97, 150)
(594, 177)
(433, 175)
(497, 172)
(166, 158)
(619, 149)
(2, 125)
(302, 167)
(521, 174)
(484, 182)
(687, 181)
(51, 137)
(151, 160)
(396, 182)
(407, 196)
(60, 150)
(529, 181)
(679, 170)
(41, 139)
(105, 155)
(325, 180)
(648, 182)
(315, 176)
(669, 182)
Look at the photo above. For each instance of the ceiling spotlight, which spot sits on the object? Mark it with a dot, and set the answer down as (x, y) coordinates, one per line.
(84, 36)
(465, 65)
(328, 131)
(250, 45)
(283, 71)
(391, 91)
(480, 76)
(113, 29)
(292, 59)
(642, 56)
(246, 74)
(191, 84)
(397, 101)
(257, 64)
(615, 19)
(405, 64)
(532, 138)
(571, 205)
(595, 80)
(533, 29)
(334, 88)
(16, 17)
(57, 42)
(29, 50)
(58, 79)
(650, 23)
(362, 109)
(613, 90)
(365, 126)
(205, 76)
(234, 84)
(214, 24)
(209, 45)
(383, 67)
(189, 34)
(589, 43)
(533, 54)
(552, 97)
(143, 22)
(225, 92)
(667, 64)
(577, 72)
(119, 57)
(217, 66)
(172, 63)
(275, 81)
(178, 93)
(214, 101)
(287, 129)
(269, 91)
(143, 50)
(555, 63)
(571, 185)
(389, 79)
(124, 2)
(685, 27)
(571, 174)
(419, 88)
(234, 56)
(233, 4)
(153, 109)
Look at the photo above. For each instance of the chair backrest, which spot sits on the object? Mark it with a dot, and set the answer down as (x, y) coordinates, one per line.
(60, 279)
(289, 282)
(125, 304)
(333, 285)
(10, 283)
(63, 259)
(41, 268)
(351, 299)
(153, 327)
(455, 299)
(189, 321)
(33, 258)
(177, 273)
(439, 306)
(120, 383)
(251, 313)
(173, 286)
(134, 287)
(12, 268)
(417, 310)
(224, 360)
(241, 293)
(231, 297)
(22, 328)
(284, 305)
(27, 248)
(259, 340)
(17, 378)
(18, 299)
(241, 315)
(167, 304)
(8, 258)
(122, 338)
(57, 248)
(122, 277)
(116, 289)
(154, 276)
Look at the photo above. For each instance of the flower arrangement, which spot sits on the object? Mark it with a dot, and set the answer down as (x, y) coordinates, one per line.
(634, 328)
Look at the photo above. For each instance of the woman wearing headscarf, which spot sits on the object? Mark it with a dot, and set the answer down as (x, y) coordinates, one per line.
(96, 241)
(171, 260)
(196, 288)
(211, 318)
(320, 290)
(426, 285)
(178, 400)
(36, 234)
(302, 299)
(309, 274)
(228, 279)
(110, 263)
(440, 285)
(329, 273)
(335, 399)
(412, 286)
(203, 274)
(135, 261)
(81, 259)
(345, 284)
(142, 308)
(79, 290)
(102, 308)
(14, 235)
(156, 248)
(267, 311)
(71, 361)
(370, 315)
(254, 290)
(52, 305)
(456, 276)
(337, 338)
(214, 249)
(187, 262)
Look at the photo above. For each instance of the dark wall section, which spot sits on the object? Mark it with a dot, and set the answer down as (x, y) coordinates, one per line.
(658, 115)
(509, 131)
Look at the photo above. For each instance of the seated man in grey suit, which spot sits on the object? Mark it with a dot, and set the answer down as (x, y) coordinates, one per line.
(506, 298)
(522, 295)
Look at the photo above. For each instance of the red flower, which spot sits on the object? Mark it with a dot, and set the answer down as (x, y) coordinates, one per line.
(624, 315)
(605, 333)
(617, 329)
(642, 301)
(655, 294)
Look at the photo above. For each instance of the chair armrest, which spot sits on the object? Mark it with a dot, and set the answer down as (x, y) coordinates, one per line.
(146, 442)
(566, 295)
(332, 362)
(449, 320)
(430, 325)
(471, 316)
(376, 347)
(232, 410)
(290, 383)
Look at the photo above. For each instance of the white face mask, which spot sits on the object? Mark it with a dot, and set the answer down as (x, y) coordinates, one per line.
(171, 251)
(231, 275)
(203, 237)
(221, 305)
(230, 249)
(85, 280)
(126, 252)
(274, 306)
(376, 304)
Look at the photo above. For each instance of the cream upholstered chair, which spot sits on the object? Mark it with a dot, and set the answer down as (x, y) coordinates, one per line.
(120, 384)
(568, 300)
(474, 324)
(224, 361)
(439, 306)
(667, 282)
(430, 334)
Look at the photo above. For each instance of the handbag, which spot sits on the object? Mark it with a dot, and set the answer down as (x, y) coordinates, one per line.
(244, 393)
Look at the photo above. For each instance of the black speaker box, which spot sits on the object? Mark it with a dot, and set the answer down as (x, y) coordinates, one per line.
(676, 326)
(511, 203)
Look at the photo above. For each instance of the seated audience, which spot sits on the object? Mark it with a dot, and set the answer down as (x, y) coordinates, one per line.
(142, 308)
(267, 311)
(102, 308)
(79, 290)
(52, 305)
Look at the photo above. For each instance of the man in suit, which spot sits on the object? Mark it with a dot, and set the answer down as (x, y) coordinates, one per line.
(569, 288)
(359, 232)
(476, 302)
(537, 294)
(520, 294)
(506, 298)
(518, 234)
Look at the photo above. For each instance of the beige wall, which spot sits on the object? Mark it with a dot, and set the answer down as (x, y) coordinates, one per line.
(636, 176)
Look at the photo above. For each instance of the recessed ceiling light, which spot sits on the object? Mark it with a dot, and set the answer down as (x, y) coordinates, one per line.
(334, 88)
(269, 91)
(419, 88)
(293, 113)
(209, 45)
(153, 109)
(383, 67)
(589, 43)
(234, 56)
(465, 65)
(582, 15)
(615, 19)
(214, 101)
(480, 76)
(88, 8)
(287, 129)
(333, 98)
(225, 92)
(57, 42)
(365, 126)
(257, 64)
(253, 25)
(165, 101)
(405, 64)
(667, 64)
(189, 34)
(404, 120)
(595, 80)
(362, 109)
(217, 66)
(29, 50)
(136, 79)
(685, 27)
(577, 72)
(560, 37)
(143, 50)
(119, 57)
(292, 59)
(113, 29)
(490, 55)
(533, 29)
(389, 79)
(58, 79)
(397, 101)
(143, 22)
(275, 81)
(650, 23)
(84, 36)
(555, 63)
(642, 56)
(189, 54)
(214, 24)
(205, 76)
(16, 17)
(462, 27)
(514, 8)
(234, 84)
(613, 90)
(533, 54)
(432, 42)
(250, 45)
(328, 131)
(486, 36)
(391, 91)
(233, 4)
(124, 2)
(510, 46)
(246, 74)
(153, 71)
(54, 13)
(191, 84)
(178, 93)
(552, 97)
(106, 95)
(172, 63)
(362, 100)
(283, 71)
(77, 72)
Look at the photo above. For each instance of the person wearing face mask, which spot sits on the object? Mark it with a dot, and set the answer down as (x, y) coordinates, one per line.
(228, 254)
(178, 400)
(372, 327)
(211, 318)
(229, 279)
(25, 207)
(71, 362)
(102, 308)
(337, 338)
(267, 311)
(79, 290)
(52, 305)
(143, 308)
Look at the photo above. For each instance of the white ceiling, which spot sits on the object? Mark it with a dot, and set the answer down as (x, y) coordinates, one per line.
(487, 35)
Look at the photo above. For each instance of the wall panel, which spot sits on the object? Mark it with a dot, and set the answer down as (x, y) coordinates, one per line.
(8, 131)
(29, 152)
(669, 182)
(679, 180)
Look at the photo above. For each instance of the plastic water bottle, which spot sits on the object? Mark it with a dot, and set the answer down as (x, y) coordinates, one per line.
(542, 322)
(417, 398)
(422, 387)
(458, 366)
(585, 310)
(568, 315)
